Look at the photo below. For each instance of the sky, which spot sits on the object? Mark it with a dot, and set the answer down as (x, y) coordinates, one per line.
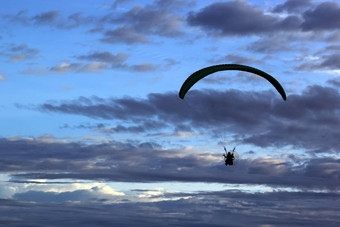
(93, 132)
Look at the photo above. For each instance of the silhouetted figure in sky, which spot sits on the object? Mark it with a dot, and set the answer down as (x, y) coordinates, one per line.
(229, 157)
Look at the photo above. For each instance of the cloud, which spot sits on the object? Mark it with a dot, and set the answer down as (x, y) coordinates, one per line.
(106, 57)
(65, 87)
(200, 209)
(331, 61)
(89, 195)
(241, 18)
(19, 17)
(325, 16)
(17, 53)
(105, 61)
(23, 48)
(335, 82)
(271, 44)
(140, 127)
(238, 18)
(36, 71)
(124, 35)
(49, 17)
(325, 62)
(65, 67)
(140, 22)
(149, 162)
(293, 6)
(53, 18)
(77, 20)
(174, 4)
(329, 48)
(98, 126)
(152, 20)
(260, 118)
(236, 59)
(116, 61)
(2, 77)
(309, 121)
(118, 2)
(94, 67)
(135, 25)
(145, 67)
(171, 61)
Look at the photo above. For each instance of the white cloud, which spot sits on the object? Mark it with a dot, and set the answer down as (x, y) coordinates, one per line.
(2, 77)
(94, 67)
(65, 67)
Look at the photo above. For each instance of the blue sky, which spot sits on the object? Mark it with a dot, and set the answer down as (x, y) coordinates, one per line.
(91, 118)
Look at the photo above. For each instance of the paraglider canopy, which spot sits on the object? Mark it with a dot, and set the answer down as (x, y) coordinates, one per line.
(196, 76)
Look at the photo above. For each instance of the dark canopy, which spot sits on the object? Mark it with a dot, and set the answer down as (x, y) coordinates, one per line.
(196, 76)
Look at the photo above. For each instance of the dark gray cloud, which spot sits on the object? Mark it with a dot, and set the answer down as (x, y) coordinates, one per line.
(118, 61)
(144, 67)
(98, 61)
(52, 18)
(334, 37)
(140, 22)
(271, 44)
(105, 57)
(325, 16)
(76, 20)
(118, 2)
(329, 49)
(135, 25)
(20, 17)
(171, 61)
(202, 209)
(331, 62)
(143, 126)
(151, 20)
(17, 53)
(325, 62)
(327, 58)
(49, 17)
(23, 48)
(124, 35)
(98, 126)
(149, 162)
(335, 82)
(140, 126)
(293, 6)
(174, 4)
(241, 18)
(309, 120)
(163, 18)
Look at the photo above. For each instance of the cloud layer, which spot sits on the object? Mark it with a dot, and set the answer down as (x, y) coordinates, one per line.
(213, 209)
(148, 162)
(305, 121)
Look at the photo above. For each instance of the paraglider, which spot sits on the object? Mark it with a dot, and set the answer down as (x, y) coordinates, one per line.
(196, 76)
(229, 156)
